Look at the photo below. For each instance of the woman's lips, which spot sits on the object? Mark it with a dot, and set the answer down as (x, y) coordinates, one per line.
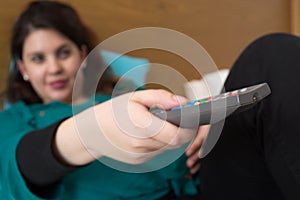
(58, 84)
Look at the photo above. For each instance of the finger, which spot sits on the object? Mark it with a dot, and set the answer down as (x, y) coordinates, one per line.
(197, 143)
(158, 98)
(146, 145)
(176, 137)
(195, 168)
(192, 160)
(195, 146)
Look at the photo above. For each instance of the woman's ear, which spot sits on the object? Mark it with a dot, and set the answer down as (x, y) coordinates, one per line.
(83, 55)
(83, 51)
(22, 69)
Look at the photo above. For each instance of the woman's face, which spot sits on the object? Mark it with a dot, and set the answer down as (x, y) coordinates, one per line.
(51, 61)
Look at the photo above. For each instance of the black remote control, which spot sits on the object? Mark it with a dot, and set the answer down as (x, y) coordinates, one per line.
(213, 109)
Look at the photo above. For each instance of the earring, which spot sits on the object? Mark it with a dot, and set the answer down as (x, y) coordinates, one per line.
(25, 77)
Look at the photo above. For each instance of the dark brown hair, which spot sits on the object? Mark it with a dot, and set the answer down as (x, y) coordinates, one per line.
(46, 15)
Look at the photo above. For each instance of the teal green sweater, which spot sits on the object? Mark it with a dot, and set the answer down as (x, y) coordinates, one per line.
(94, 181)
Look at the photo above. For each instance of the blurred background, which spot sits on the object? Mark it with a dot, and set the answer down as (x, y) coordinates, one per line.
(224, 28)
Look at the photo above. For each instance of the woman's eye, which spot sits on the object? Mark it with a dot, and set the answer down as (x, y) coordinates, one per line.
(37, 58)
(64, 53)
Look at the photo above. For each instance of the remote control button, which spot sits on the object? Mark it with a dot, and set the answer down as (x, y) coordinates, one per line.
(197, 103)
(191, 103)
(176, 108)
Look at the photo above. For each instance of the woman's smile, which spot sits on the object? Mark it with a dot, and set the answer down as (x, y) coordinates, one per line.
(58, 84)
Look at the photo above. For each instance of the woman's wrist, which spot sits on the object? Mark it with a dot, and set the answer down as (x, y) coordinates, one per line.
(68, 146)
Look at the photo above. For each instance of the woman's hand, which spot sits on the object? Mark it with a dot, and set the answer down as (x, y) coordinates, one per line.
(123, 129)
(194, 149)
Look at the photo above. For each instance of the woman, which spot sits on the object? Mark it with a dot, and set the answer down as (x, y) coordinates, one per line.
(46, 155)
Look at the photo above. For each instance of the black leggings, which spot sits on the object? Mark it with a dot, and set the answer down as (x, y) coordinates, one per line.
(258, 153)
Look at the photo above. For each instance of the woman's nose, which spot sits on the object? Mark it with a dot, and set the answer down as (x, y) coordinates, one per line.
(54, 66)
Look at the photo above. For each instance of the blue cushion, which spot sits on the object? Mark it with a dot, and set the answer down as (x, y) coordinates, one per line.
(129, 67)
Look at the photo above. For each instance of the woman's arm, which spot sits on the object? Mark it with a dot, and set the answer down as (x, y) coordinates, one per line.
(38, 163)
(122, 129)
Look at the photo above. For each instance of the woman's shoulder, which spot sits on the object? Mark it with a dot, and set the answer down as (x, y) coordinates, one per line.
(20, 111)
(15, 109)
(13, 120)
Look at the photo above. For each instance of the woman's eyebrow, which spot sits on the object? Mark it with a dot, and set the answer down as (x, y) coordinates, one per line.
(35, 52)
(62, 47)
